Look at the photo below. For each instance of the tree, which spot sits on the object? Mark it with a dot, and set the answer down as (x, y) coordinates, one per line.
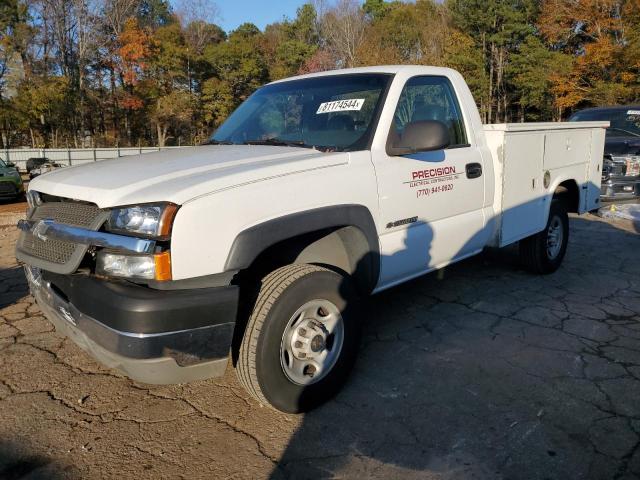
(375, 9)
(171, 111)
(74, 72)
(239, 62)
(535, 72)
(406, 33)
(154, 13)
(597, 33)
(42, 104)
(497, 27)
(288, 45)
(343, 28)
(462, 54)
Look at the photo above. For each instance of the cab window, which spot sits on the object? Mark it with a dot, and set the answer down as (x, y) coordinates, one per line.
(430, 98)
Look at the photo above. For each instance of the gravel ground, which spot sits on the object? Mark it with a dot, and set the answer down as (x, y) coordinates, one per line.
(478, 371)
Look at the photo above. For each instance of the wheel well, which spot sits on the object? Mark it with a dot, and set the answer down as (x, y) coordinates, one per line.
(343, 249)
(569, 193)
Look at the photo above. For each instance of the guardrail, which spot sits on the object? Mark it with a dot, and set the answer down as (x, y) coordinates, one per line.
(71, 156)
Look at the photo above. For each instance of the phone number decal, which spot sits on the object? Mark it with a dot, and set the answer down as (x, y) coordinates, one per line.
(425, 192)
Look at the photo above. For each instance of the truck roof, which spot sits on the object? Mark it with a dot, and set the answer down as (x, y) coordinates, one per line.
(392, 69)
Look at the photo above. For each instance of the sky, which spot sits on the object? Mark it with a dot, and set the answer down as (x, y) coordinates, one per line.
(259, 12)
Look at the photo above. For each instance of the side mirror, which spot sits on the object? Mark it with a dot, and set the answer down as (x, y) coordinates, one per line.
(11, 165)
(421, 136)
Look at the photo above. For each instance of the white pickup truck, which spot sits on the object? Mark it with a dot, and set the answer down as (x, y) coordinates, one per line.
(317, 191)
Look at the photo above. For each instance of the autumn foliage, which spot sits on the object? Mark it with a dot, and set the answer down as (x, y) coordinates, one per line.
(136, 72)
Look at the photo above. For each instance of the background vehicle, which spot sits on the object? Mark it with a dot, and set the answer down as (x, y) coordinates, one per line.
(621, 169)
(10, 181)
(35, 162)
(44, 168)
(316, 192)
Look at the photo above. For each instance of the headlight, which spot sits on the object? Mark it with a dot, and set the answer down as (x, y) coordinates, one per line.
(148, 220)
(148, 267)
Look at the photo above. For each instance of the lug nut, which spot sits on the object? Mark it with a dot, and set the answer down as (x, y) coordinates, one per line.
(302, 331)
(298, 344)
(302, 355)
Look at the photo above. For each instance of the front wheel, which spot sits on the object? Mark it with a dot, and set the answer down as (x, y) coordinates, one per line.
(543, 252)
(301, 338)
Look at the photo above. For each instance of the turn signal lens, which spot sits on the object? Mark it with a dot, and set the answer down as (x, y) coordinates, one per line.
(163, 266)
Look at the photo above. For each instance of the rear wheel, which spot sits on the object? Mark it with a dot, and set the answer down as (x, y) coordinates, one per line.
(301, 338)
(543, 252)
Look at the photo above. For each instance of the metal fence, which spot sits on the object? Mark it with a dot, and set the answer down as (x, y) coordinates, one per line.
(71, 156)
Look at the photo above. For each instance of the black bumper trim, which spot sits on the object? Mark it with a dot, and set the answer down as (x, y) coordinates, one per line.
(135, 309)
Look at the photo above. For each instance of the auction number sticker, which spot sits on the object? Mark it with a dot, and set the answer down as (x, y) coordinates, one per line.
(354, 104)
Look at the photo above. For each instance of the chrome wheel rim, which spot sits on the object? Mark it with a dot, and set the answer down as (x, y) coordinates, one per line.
(555, 237)
(312, 342)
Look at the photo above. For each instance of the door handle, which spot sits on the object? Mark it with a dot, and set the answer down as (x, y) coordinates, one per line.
(474, 170)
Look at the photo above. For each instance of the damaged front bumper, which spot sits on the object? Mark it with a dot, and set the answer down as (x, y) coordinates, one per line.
(155, 337)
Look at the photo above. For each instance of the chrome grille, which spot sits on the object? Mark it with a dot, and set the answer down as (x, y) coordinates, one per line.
(69, 213)
(52, 250)
(57, 255)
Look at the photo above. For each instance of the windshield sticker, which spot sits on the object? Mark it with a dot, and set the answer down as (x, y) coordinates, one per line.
(633, 112)
(354, 104)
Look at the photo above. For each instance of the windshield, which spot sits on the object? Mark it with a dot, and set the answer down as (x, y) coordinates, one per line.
(623, 122)
(334, 113)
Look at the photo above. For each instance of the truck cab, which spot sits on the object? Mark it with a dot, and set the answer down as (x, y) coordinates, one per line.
(260, 246)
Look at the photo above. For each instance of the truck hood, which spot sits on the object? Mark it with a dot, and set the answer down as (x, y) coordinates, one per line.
(179, 175)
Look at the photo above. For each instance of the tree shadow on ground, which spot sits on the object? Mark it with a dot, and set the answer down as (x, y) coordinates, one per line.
(476, 371)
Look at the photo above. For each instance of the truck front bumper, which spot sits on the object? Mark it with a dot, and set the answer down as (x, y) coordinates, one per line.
(620, 188)
(156, 337)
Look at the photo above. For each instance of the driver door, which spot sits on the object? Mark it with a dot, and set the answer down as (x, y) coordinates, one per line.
(431, 203)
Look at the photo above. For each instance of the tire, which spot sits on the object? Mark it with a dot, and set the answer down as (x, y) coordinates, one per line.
(268, 359)
(536, 252)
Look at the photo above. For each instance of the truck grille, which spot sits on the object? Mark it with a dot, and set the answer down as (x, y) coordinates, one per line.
(68, 212)
(625, 166)
(56, 255)
(6, 187)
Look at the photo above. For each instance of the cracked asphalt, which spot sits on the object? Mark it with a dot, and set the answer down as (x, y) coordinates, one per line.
(477, 371)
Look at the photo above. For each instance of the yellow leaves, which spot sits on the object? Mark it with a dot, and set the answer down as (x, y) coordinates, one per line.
(562, 20)
(602, 36)
(629, 77)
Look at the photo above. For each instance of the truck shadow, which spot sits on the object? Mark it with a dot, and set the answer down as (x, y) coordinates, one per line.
(14, 286)
(435, 393)
(18, 463)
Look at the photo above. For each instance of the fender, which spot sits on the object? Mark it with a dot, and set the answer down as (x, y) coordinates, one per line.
(249, 243)
(557, 182)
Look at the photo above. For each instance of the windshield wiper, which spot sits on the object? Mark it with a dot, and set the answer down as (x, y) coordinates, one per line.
(275, 141)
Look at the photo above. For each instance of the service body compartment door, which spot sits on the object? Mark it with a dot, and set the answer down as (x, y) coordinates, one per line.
(524, 210)
(594, 172)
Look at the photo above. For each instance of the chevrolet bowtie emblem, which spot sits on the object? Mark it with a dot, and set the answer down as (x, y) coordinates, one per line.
(40, 230)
